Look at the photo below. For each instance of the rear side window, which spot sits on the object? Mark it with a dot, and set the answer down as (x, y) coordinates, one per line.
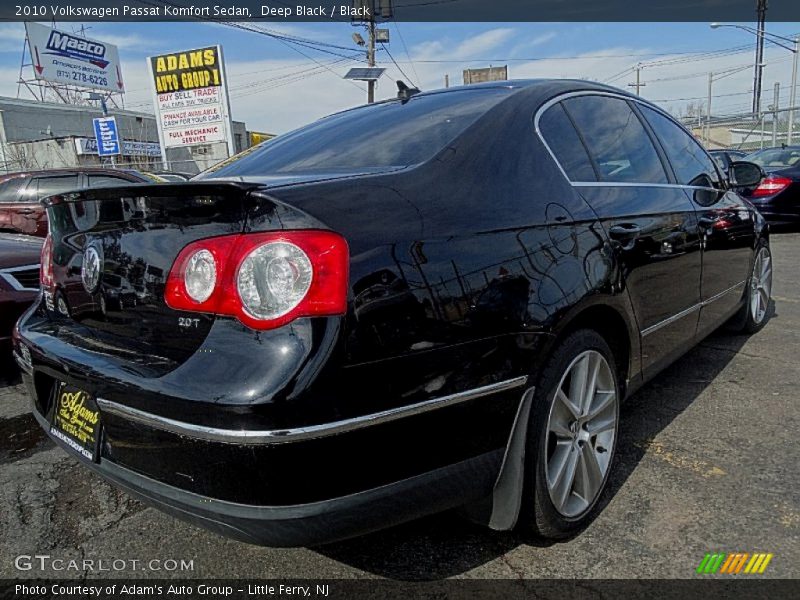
(9, 189)
(387, 134)
(616, 140)
(41, 187)
(692, 164)
(563, 140)
(106, 181)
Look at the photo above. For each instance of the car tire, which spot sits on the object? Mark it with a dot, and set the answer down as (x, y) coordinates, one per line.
(565, 439)
(755, 312)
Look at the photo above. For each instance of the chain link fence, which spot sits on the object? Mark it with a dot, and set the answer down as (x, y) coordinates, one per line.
(747, 132)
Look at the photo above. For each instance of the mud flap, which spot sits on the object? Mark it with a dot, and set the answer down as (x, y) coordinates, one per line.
(507, 494)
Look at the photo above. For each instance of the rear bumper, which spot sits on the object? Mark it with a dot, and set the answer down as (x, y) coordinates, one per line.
(290, 486)
(12, 305)
(322, 457)
(779, 214)
(316, 522)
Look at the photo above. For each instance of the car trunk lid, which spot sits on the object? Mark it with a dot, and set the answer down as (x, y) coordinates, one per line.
(112, 251)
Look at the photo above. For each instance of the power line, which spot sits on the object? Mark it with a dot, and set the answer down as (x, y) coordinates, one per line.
(287, 40)
(619, 75)
(399, 68)
(705, 73)
(684, 56)
(408, 54)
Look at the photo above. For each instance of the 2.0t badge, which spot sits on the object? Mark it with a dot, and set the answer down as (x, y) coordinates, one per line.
(91, 268)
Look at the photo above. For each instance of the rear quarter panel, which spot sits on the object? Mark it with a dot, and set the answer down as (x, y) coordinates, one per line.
(463, 268)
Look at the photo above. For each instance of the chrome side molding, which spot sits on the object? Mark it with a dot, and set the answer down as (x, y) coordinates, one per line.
(282, 436)
(691, 309)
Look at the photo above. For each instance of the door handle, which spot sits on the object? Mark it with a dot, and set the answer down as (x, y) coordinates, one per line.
(27, 211)
(625, 231)
(706, 222)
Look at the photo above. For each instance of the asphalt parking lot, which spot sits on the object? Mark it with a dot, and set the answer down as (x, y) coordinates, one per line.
(707, 461)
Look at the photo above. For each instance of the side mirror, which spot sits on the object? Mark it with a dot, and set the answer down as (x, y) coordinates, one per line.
(743, 174)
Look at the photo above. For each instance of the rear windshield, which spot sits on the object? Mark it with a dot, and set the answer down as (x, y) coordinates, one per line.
(776, 157)
(389, 134)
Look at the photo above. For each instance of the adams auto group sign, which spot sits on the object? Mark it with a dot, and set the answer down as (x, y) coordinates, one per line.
(191, 97)
(70, 59)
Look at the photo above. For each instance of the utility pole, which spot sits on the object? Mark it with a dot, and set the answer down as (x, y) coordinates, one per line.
(707, 135)
(776, 105)
(759, 66)
(793, 91)
(638, 85)
(371, 54)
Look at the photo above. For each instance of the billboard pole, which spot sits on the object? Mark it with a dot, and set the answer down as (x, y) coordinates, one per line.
(226, 103)
(161, 144)
(104, 106)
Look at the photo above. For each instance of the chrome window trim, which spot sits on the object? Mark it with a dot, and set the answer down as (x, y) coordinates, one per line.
(282, 436)
(543, 109)
(692, 309)
(672, 319)
(8, 276)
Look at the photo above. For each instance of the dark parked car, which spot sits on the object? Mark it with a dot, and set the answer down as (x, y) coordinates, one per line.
(19, 282)
(170, 176)
(20, 193)
(725, 157)
(336, 332)
(778, 195)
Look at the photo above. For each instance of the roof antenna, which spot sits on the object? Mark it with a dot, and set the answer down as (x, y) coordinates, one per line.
(404, 92)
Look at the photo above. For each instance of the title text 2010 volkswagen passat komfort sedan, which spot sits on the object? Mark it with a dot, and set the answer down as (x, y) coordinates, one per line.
(425, 303)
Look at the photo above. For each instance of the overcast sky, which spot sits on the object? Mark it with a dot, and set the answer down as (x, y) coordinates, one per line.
(275, 87)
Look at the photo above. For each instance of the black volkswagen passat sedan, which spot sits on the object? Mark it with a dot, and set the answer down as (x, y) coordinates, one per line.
(777, 197)
(425, 303)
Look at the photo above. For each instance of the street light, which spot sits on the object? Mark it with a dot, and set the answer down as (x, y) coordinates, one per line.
(773, 37)
(712, 77)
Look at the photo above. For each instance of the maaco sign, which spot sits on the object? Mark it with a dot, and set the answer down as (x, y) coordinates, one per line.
(69, 59)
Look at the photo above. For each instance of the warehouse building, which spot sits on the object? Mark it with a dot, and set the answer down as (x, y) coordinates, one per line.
(47, 135)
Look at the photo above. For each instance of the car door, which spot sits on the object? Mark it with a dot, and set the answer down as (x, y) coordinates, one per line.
(725, 222)
(27, 215)
(650, 221)
(10, 202)
(33, 219)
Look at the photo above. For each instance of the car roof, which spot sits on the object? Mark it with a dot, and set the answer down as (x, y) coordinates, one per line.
(522, 87)
(65, 170)
(792, 147)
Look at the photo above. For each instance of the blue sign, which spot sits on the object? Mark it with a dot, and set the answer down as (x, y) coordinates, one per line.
(105, 131)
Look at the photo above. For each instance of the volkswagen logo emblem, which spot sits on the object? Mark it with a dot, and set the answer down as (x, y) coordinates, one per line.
(91, 269)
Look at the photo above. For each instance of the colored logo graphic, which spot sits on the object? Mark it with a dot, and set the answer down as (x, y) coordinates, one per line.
(734, 563)
(62, 44)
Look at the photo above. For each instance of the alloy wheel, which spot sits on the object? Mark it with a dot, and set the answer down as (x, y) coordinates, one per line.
(761, 285)
(581, 431)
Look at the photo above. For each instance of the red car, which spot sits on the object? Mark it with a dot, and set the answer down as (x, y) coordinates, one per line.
(19, 281)
(20, 193)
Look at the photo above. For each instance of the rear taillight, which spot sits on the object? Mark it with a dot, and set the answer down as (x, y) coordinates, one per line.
(46, 263)
(263, 279)
(770, 186)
